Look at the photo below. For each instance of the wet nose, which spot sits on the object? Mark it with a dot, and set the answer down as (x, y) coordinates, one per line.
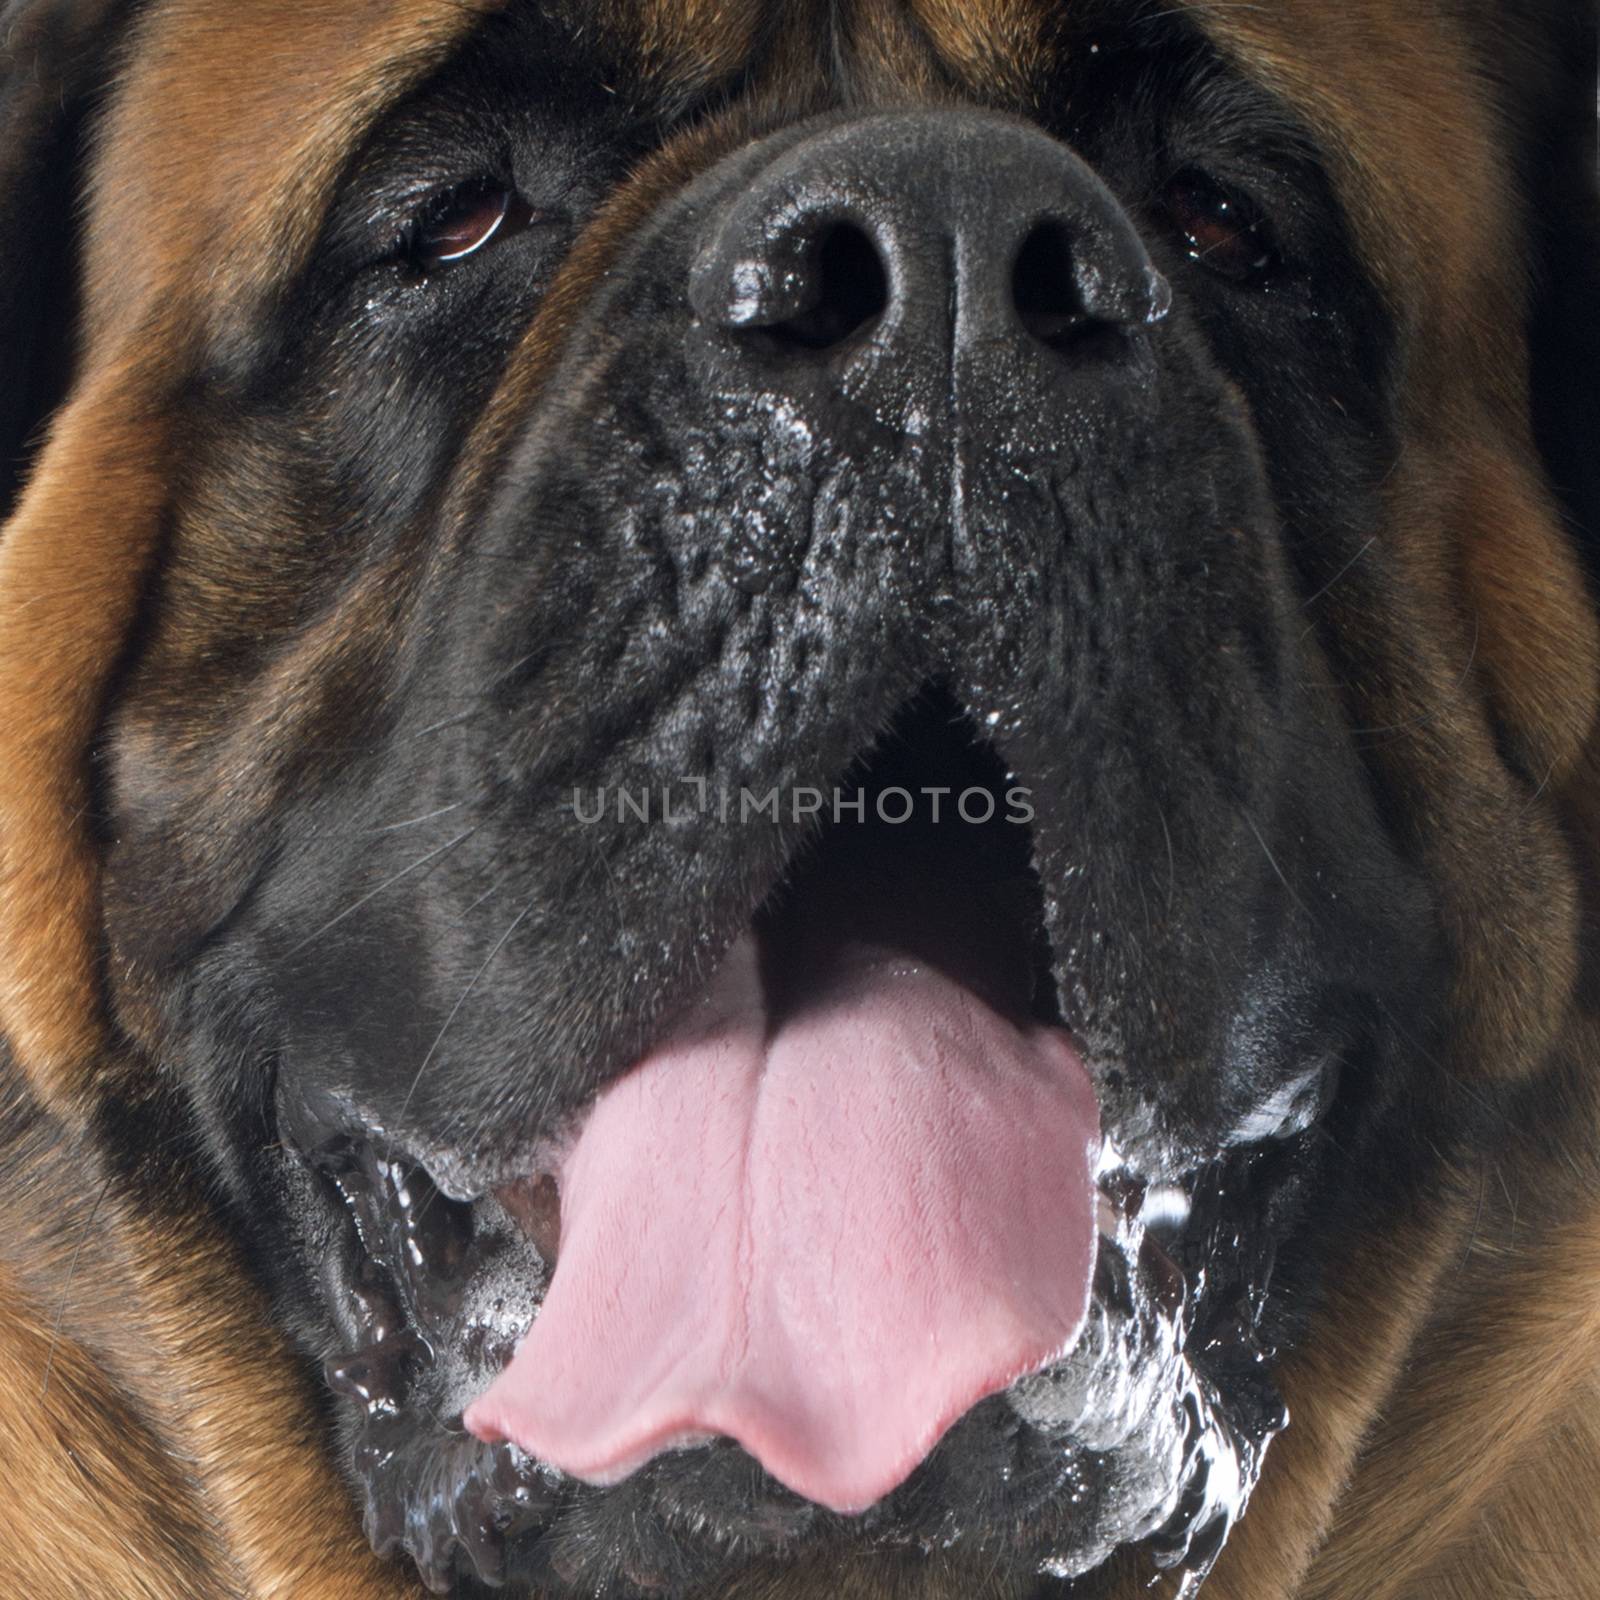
(923, 232)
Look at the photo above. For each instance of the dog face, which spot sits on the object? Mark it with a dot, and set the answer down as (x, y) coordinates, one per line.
(571, 492)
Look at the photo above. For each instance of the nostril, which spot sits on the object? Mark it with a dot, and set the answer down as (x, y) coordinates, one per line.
(849, 291)
(1046, 291)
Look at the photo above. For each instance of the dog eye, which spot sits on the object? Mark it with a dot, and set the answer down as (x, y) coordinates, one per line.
(465, 221)
(1224, 230)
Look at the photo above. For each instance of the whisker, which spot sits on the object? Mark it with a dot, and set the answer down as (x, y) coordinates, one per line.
(414, 822)
(477, 977)
(66, 1292)
(388, 883)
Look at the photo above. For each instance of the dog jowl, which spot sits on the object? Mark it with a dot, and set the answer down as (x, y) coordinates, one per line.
(1010, 424)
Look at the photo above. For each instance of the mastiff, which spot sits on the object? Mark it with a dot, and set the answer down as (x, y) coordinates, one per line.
(799, 798)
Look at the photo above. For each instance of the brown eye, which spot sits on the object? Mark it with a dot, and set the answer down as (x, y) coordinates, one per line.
(1225, 230)
(464, 222)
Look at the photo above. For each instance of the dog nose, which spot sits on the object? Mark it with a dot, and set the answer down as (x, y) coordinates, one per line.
(911, 233)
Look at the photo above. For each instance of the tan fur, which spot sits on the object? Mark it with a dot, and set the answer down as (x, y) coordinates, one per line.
(151, 1428)
(177, 241)
(1424, 175)
(1524, 1542)
(174, 1451)
(997, 47)
(103, 1455)
(693, 42)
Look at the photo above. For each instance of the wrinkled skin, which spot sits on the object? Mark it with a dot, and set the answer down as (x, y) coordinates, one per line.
(637, 546)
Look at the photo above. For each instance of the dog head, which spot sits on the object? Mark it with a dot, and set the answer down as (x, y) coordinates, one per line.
(863, 709)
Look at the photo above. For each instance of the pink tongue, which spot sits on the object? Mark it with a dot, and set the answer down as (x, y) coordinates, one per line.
(827, 1244)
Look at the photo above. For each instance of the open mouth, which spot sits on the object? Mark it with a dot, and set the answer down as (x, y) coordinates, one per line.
(847, 1256)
